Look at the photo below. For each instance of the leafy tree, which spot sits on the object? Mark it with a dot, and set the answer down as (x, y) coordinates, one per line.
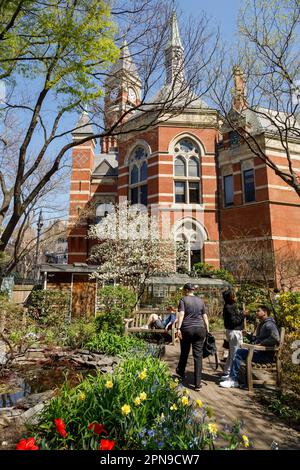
(55, 57)
(57, 46)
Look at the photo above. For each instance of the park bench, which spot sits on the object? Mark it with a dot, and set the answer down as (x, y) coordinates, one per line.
(138, 323)
(274, 366)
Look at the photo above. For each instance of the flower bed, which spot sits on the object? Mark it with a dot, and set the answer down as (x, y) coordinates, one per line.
(138, 407)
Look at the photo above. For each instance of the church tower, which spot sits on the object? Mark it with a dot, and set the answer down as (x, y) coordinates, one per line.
(83, 156)
(123, 91)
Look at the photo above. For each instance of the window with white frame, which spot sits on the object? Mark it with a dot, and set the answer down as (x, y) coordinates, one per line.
(186, 172)
(138, 176)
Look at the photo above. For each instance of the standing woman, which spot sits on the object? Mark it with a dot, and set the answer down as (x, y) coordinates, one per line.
(192, 330)
(234, 325)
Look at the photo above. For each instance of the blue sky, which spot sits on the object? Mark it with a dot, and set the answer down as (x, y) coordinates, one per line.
(222, 12)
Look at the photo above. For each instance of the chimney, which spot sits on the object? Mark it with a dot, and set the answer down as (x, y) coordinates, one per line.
(239, 103)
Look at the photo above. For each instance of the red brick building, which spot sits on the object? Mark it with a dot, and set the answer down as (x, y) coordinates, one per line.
(200, 177)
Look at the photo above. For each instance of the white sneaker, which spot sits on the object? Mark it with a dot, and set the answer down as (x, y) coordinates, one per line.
(229, 383)
(224, 377)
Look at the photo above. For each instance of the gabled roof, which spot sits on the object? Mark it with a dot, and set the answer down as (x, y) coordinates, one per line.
(260, 119)
(269, 120)
(106, 164)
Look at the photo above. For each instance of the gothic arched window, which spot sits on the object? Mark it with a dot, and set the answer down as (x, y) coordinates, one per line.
(138, 176)
(180, 167)
(134, 175)
(187, 183)
(193, 167)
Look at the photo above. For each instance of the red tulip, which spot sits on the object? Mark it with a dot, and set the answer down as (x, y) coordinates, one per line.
(27, 444)
(60, 427)
(97, 428)
(106, 444)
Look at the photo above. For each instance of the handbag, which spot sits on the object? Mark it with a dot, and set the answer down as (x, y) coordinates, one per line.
(210, 348)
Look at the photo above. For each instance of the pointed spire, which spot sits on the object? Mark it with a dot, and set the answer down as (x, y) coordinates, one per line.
(84, 126)
(174, 54)
(125, 61)
(174, 39)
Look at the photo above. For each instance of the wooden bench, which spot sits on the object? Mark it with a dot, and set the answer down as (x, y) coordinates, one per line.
(274, 366)
(138, 323)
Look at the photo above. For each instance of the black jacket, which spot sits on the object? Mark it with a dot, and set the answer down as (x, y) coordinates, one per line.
(267, 333)
(233, 317)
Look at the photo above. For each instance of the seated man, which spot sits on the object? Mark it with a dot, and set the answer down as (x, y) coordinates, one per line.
(156, 322)
(267, 334)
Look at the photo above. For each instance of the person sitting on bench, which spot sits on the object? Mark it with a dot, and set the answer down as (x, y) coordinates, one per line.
(267, 334)
(156, 322)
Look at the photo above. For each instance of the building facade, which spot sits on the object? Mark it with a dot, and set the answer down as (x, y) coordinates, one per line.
(207, 186)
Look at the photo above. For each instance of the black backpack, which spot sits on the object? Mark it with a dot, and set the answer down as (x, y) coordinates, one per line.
(210, 348)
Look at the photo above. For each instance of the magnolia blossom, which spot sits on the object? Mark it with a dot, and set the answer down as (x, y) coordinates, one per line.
(131, 249)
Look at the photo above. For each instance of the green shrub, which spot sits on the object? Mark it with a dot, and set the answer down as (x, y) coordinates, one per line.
(117, 297)
(290, 371)
(284, 405)
(203, 269)
(251, 294)
(79, 332)
(112, 321)
(207, 270)
(16, 326)
(115, 345)
(49, 307)
(288, 311)
(225, 275)
(140, 406)
(116, 303)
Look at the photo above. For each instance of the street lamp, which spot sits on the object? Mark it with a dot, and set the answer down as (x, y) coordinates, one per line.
(40, 224)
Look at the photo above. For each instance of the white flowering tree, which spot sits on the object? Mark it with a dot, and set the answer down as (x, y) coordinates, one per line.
(130, 248)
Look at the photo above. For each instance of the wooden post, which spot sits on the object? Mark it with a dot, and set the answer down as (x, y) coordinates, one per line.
(249, 370)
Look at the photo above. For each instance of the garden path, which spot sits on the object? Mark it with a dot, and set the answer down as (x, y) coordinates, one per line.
(261, 426)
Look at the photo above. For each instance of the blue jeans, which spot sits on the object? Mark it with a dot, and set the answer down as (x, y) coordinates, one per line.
(260, 357)
(170, 318)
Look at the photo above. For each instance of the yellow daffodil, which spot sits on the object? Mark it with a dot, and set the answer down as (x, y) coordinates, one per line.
(184, 401)
(173, 385)
(173, 407)
(176, 381)
(126, 409)
(245, 440)
(213, 428)
(137, 401)
(81, 396)
(109, 384)
(199, 403)
(209, 411)
(143, 396)
(143, 374)
(185, 391)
